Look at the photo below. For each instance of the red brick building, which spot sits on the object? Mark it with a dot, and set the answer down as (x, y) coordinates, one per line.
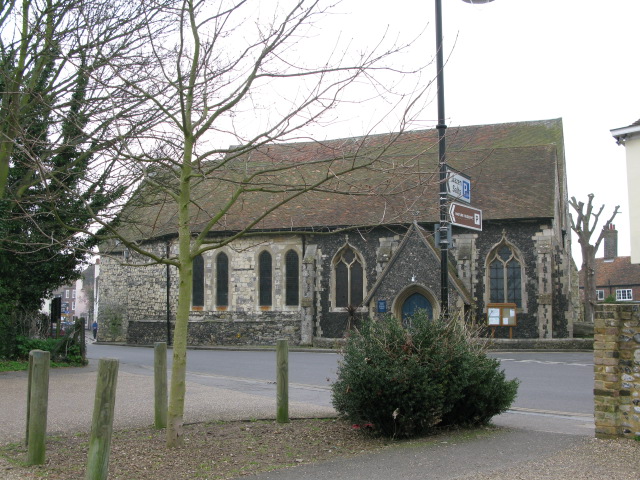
(616, 277)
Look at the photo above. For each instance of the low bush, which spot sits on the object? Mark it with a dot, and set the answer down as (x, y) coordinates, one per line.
(66, 349)
(406, 381)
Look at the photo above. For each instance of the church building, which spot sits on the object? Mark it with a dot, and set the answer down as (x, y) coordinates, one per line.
(364, 246)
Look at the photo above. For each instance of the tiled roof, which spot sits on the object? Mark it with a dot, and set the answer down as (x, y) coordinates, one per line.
(617, 272)
(516, 171)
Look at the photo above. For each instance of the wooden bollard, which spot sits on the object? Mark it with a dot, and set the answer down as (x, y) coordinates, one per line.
(160, 383)
(282, 359)
(37, 402)
(102, 423)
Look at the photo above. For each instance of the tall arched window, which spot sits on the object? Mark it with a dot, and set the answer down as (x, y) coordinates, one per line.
(197, 297)
(222, 280)
(505, 276)
(349, 276)
(292, 278)
(264, 279)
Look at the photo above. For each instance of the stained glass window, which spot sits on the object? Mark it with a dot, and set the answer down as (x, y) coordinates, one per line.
(292, 278)
(505, 277)
(264, 279)
(349, 279)
(197, 298)
(222, 280)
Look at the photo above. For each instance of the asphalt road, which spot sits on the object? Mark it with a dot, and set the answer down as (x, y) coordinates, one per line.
(555, 392)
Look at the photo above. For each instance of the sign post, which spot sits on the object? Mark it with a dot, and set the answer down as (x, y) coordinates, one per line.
(458, 186)
(465, 216)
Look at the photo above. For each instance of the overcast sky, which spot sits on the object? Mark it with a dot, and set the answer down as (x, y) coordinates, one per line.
(517, 60)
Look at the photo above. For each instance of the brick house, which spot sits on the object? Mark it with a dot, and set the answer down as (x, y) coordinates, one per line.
(300, 271)
(616, 277)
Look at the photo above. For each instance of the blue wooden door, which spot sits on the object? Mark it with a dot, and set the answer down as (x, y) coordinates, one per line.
(414, 302)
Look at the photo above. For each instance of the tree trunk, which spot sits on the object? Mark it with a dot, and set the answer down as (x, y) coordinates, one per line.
(175, 414)
(588, 270)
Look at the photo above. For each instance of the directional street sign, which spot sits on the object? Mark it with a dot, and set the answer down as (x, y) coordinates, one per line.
(465, 216)
(458, 186)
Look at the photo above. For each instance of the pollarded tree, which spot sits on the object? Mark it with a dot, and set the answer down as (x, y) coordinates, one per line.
(584, 225)
(233, 74)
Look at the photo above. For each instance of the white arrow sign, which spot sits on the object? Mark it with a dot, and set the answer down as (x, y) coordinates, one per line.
(465, 216)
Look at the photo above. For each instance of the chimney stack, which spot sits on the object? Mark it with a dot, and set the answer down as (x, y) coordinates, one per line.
(610, 242)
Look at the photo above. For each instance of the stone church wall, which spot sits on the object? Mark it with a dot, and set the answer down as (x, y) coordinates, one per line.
(133, 306)
(545, 302)
(133, 299)
(375, 246)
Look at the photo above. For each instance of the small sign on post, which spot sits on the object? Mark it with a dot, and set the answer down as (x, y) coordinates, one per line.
(458, 186)
(465, 216)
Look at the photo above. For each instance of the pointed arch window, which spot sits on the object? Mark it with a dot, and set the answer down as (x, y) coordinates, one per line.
(265, 281)
(197, 297)
(292, 278)
(222, 280)
(349, 276)
(505, 276)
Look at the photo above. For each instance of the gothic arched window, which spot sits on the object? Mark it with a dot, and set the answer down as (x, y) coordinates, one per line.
(197, 298)
(265, 275)
(292, 278)
(349, 277)
(222, 280)
(505, 276)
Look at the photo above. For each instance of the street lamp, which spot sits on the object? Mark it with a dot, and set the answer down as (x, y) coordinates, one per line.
(442, 162)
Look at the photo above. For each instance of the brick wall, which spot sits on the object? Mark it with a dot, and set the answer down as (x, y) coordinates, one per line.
(617, 370)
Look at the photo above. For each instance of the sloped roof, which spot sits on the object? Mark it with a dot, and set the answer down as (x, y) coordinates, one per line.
(615, 272)
(516, 170)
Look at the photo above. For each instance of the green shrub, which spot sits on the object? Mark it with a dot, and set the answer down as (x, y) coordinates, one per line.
(405, 382)
(66, 349)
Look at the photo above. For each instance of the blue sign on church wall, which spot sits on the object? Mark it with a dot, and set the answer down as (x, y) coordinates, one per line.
(382, 306)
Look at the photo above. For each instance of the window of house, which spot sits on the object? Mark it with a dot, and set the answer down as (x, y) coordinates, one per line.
(600, 295)
(505, 277)
(292, 278)
(73, 294)
(265, 281)
(222, 280)
(624, 294)
(66, 294)
(197, 298)
(349, 276)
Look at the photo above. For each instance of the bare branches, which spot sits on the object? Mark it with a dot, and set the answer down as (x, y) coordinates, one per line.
(584, 226)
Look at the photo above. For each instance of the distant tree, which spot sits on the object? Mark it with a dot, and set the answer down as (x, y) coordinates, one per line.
(585, 224)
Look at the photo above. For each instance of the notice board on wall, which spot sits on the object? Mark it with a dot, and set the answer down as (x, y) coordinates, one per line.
(501, 315)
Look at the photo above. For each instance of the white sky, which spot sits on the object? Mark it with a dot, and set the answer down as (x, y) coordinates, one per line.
(517, 60)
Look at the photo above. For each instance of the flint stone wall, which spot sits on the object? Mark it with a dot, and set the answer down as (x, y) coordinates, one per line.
(617, 370)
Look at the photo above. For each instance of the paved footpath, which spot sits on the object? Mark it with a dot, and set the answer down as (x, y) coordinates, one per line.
(527, 446)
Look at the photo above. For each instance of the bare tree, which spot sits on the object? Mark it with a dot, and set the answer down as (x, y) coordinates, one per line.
(231, 74)
(585, 225)
(48, 48)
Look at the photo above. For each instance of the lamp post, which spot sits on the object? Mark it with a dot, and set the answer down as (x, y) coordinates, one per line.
(442, 162)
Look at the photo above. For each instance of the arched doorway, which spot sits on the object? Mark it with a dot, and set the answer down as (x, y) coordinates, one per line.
(416, 301)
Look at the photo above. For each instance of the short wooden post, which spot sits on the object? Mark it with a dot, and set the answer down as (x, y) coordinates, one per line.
(29, 380)
(160, 382)
(282, 412)
(82, 325)
(38, 389)
(102, 423)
